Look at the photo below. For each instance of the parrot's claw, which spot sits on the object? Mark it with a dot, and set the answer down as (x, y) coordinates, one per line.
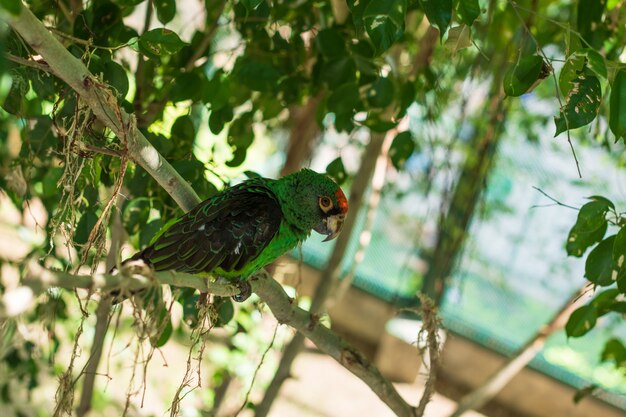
(245, 291)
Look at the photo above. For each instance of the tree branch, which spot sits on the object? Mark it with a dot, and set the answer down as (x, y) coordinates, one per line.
(135, 275)
(328, 342)
(132, 276)
(103, 103)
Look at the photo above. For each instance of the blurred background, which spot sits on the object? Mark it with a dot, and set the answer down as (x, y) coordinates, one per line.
(467, 135)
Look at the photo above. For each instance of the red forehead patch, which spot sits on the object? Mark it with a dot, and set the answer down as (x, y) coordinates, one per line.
(342, 201)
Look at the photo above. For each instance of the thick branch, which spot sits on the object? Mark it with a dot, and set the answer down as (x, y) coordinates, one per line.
(103, 103)
(328, 342)
(40, 279)
(270, 291)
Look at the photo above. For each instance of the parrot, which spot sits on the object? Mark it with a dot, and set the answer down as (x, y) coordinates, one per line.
(241, 229)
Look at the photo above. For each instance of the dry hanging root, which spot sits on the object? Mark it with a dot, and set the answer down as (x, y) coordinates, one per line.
(430, 329)
(207, 317)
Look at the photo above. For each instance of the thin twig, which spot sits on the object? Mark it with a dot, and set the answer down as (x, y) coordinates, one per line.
(557, 202)
(256, 371)
(84, 42)
(103, 151)
(28, 62)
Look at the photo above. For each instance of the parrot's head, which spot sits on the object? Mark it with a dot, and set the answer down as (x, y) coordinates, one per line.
(333, 210)
(315, 202)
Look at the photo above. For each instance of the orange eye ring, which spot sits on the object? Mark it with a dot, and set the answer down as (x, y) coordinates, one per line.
(325, 203)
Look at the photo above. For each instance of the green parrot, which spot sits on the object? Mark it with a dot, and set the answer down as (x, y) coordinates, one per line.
(245, 227)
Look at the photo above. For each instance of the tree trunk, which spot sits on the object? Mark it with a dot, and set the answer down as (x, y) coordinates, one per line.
(454, 223)
(304, 130)
(365, 235)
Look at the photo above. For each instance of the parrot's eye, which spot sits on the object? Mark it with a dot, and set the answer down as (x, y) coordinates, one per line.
(325, 204)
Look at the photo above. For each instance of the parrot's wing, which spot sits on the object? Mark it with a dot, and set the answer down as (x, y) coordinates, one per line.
(227, 231)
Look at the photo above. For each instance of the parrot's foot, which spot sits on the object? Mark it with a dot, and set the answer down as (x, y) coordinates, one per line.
(245, 291)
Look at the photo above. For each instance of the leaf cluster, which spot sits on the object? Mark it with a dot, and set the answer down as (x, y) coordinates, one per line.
(604, 267)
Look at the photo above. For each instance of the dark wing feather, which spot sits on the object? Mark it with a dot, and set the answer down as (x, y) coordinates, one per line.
(226, 231)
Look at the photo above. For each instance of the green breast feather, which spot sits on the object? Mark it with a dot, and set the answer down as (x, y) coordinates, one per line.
(245, 227)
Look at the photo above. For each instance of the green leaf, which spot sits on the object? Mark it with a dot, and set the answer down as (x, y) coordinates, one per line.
(381, 93)
(467, 11)
(188, 86)
(581, 321)
(345, 99)
(592, 215)
(217, 92)
(337, 171)
(615, 351)
(618, 307)
(407, 97)
(570, 71)
(331, 44)
(270, 106)
(578, 242)
(239, 157)
(619, 248)
(590, 226)
(189, 300)
(594, 61)
(599, 264)
(338, 72)
(115, 75)
(617, 103)
(240, 132)
(164, 328)
(165, 334)
(148, 233)
(523, 75)
(377, 124)
(183, 132)
(219, 118)
(384, 22)
(83, 228)
(135, 214)
(225, 311)
(589, 20)
(189, 168)
(165, 9)
(619, 258)
(604, 301)
(401, 149)
(439, 14)
(50, 182)
(357, 7)
(621, 281)
(576, 64)
(12, 6)
(582, 104)
(159, 42)
(256, 75)
(608, 203)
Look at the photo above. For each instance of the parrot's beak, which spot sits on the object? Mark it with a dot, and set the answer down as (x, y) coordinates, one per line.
(330, 226)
